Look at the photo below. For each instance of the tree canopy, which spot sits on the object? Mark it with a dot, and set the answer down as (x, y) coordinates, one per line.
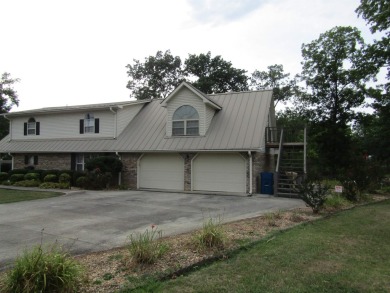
(160, 74)
(8, 98)
(156, 77)
(275, 78)
(215, 75)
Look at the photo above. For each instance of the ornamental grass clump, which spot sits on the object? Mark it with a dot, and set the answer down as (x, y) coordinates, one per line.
(39, 270)
(147, 247)
(212, 235)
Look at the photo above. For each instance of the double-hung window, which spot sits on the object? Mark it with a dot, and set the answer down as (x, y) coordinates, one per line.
(31, 127)
(185, 121)
(89, 124)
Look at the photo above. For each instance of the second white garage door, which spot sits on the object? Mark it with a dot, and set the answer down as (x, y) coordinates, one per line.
(219, 172)
(161, 171)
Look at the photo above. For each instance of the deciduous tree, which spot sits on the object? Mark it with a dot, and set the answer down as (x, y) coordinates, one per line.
(215, 75)
(284, 88)
(8, 98)
(156, 77)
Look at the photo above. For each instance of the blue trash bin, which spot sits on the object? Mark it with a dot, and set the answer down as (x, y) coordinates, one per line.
(267, 183)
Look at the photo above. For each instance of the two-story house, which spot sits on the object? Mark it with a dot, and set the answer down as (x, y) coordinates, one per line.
(188, 141)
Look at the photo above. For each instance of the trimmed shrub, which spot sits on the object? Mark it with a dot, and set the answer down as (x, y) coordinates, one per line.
(146, 247)
(28, 183)
(39, 270)
(32, 176)
(81, 181)
(16, 177)
(54, 185)
(3, 176)
(64, 178)
(18, 171)
(104, 164)
(50, 178)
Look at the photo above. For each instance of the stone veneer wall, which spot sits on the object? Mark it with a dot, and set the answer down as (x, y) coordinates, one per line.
(187, 169)
(262, 162)
(45, 161)
(129, 173)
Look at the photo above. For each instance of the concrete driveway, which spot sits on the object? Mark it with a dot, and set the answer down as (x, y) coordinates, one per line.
(99, 220)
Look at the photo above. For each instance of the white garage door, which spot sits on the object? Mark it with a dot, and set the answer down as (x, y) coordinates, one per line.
(161, 171)
(219, 172)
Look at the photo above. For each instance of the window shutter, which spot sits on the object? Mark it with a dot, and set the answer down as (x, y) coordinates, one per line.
(37, 128)
(35, 160)
(25, 128)
(81, 126)
(26, 159)
(97, 125)
(72, 161)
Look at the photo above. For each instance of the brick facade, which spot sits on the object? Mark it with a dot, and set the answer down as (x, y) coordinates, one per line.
(129, 172)
(45, 161)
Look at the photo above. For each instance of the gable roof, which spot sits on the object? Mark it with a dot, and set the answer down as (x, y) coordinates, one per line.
(197, 92)
(240, 126)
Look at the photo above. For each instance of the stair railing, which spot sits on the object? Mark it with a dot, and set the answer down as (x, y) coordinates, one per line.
(276, 177)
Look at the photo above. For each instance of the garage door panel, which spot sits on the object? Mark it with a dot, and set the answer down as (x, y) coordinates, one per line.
(219, 172)
(162, 171)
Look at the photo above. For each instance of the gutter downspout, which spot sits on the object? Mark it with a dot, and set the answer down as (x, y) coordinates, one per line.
(250, 173)
(120, 173)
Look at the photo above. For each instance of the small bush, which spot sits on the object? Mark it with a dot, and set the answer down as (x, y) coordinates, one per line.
(273, 217)
(313, 193)
(336, 201)
(50, 178)
(16, 177)
(54, 185)
(39, 270)
(81, 181)
(212, 235)
(64, 178)
(3, 176)
(28, 183)
(32, 176)
(350, 190)
(146, 247)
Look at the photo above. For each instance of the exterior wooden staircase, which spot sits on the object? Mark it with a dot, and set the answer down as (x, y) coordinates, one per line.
(290, 147)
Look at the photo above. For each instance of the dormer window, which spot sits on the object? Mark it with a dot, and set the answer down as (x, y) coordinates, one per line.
(31, 127)
(89, 124)
(185, 121)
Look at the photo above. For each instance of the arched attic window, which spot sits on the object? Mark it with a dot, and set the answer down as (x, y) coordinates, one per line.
(185, 121)
(31, 127)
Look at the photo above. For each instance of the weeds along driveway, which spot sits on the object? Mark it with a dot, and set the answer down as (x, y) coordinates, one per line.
(99, 220)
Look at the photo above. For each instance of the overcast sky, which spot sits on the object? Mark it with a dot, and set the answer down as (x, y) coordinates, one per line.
(76, 51)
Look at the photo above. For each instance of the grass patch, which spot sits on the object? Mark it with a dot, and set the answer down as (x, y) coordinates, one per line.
(146, 247)
(44, 270)
(347, 252)
(212, 235)
(11, 195)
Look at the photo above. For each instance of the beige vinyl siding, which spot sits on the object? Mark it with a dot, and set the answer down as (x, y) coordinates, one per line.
(125, 115)
(209, 116)
(186, 97)
(63, 126)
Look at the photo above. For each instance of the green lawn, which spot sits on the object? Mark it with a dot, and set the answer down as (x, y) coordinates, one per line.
(347, 252)
(10, 195)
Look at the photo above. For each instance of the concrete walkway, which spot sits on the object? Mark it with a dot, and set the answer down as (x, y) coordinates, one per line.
(97, 220)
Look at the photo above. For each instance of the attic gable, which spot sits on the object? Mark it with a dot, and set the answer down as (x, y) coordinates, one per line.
(196, 92)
